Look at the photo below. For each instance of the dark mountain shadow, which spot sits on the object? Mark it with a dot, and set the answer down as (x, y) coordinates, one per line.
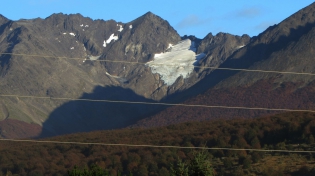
(83, 116)
(4, 26)
(255, 51)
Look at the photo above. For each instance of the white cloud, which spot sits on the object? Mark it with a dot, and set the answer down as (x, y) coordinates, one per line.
(248, 12)
(192, 20)
(264, 25)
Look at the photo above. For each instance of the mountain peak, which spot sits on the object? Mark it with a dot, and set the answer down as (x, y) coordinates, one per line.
(149, 14)
(56, 15)
(3, 19)
(62, 15)
(151, 17)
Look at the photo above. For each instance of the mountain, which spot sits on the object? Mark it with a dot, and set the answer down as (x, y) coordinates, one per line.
(145, 60)
(76, 57)
(285, 47)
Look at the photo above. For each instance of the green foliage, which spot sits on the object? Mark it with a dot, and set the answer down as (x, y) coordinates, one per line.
(256, 156)
(181, 169)
(199, 165)
(281, 146)
(164, 171)
(247, 163)
(228, 163)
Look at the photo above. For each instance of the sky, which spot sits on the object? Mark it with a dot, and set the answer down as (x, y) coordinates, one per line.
(188, 17)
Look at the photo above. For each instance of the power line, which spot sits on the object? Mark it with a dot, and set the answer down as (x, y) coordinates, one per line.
(143, 63)
(153, 146)
(159, 103)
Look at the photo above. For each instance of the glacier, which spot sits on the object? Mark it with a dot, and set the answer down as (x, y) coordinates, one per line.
(178, 61)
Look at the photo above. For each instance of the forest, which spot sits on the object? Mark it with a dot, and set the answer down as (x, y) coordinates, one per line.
(288, 132)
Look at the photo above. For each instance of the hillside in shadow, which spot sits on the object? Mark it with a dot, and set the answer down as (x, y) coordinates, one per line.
(84, 115)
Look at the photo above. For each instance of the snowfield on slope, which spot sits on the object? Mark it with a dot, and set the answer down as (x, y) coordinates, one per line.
(111, 37)
(178, 61)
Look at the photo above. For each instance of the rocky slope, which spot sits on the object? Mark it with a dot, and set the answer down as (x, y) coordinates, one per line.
(77, 57)
(286, 47)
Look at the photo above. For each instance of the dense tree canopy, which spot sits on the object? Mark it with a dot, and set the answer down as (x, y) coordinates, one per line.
(288, 131)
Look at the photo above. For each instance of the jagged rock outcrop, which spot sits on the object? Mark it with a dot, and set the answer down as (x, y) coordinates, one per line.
(219, 47)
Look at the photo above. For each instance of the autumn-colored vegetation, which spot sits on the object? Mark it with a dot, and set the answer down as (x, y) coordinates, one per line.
(288, 131)
(10, 128)
(261, 94)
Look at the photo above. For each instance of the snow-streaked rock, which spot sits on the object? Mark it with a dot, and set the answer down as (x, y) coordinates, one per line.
(120, 28)
(111, 37)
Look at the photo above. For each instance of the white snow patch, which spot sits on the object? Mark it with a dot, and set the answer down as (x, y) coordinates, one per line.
(130, 26)
(86, 25)
(81, 25)
(82, 29)
(71, 33)
(111, 75)
(170, 46)
(179, 61)
(64, 33)
(239, 47)
(120, 28)
(104, 44)
(94, 57)
(200, 56)
(72, 48)
(112, 37)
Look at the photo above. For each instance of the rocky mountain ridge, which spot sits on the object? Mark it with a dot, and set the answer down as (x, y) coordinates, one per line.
(285, 47)
(77, 57)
